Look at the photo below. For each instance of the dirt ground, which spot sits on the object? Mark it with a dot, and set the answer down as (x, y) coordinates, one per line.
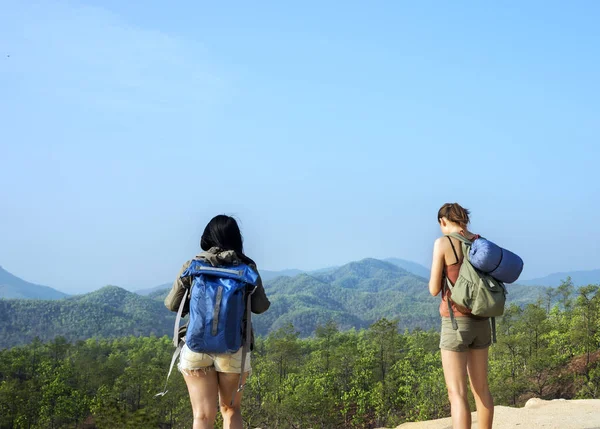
(537, 414)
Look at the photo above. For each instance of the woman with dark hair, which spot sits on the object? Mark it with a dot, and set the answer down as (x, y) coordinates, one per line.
(464, 351)
(213, 376)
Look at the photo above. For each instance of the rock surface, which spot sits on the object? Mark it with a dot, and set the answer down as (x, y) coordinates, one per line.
(537, 414)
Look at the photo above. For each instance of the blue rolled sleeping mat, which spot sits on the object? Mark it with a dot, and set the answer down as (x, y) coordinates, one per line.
(501, 264)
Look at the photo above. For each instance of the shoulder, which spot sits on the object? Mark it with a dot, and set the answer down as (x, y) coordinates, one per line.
(185, 266)
(253, 267)
(440, 247)
(441, 243)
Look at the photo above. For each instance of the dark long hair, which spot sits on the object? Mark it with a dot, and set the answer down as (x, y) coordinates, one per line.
(223, 232)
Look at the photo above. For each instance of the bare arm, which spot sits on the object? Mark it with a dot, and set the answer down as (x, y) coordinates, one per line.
(437, 267)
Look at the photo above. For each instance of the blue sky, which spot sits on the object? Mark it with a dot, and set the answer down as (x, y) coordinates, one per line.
(332, 131)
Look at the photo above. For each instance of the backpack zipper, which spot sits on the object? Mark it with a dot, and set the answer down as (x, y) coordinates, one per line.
(221, 270)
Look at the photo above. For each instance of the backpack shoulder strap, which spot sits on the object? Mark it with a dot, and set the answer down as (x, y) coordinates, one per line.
(465, 244)
(460, 237)
(453, 249)
(447, 283)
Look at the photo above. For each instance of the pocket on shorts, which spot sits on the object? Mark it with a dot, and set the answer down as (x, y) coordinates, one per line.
(456, 340)
(232, 362)
(483, 338)
(192, 360)
(463, 335)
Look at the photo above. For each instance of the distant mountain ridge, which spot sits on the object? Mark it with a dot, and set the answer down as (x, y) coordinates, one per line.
(354, 295)
(12, 287)
(411, 267)
(151, 290)
(579, 278)
(269, 275)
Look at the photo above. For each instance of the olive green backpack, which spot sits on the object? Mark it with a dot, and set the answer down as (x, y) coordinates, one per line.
(479, 292)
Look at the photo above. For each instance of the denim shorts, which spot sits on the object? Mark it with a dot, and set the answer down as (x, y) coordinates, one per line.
(190, 361)
(471, 334)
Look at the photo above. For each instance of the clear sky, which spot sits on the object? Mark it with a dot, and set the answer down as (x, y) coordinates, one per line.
(332, 130)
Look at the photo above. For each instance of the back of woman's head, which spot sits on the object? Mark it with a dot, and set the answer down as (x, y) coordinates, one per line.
(455, 213)
(223, 232)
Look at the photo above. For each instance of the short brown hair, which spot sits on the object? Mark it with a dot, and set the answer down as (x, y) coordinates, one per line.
(454, 212)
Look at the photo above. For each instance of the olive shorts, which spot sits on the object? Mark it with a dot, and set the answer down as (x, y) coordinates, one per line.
(471, 334)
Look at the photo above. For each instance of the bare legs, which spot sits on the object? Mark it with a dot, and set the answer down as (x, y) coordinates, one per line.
(477, 367)
(232, 415)
(456, 367)
(204, 388)
(455, 373)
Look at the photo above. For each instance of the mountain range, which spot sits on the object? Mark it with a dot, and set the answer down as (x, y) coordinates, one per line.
(268, 275)
(411, 267)
(354, 296)
(12, 287)
(579, 278)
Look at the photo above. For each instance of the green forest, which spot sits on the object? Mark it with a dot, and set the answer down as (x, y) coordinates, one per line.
(379, 376)
(107, 312)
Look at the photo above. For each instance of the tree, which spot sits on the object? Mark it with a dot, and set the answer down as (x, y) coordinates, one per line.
(564, 291)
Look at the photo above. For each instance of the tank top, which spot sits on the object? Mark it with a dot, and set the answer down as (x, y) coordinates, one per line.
(451, 271)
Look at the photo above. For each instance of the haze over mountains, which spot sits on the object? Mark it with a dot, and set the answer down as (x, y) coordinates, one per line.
(579, 278)
(354, 296)
(12, 287)
(411, 267)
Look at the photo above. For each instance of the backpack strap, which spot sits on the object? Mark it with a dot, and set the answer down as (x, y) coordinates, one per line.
(178, 343)
(447, 286)
(450, 311)
(246, 345)
(173, 359)
(500, 261)
(453, 249)
(493, 321)
(460, 237)
(178, 318)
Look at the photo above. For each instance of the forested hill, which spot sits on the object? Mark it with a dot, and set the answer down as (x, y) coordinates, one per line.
(108, 312)
(356, 295)
(353, 296)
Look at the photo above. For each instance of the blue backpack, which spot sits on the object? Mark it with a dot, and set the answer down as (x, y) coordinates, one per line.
(219, 301)
(217, 306)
